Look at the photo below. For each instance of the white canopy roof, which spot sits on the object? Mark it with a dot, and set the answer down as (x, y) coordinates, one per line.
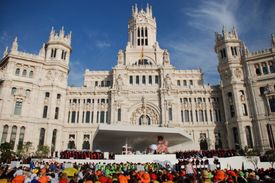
(111, 138)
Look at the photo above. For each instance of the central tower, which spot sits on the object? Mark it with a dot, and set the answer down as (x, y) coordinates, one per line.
(142, 46)
(142, 28)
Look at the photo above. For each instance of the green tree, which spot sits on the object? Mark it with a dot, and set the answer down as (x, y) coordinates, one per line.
(42, 151)
(252, 157)
(24, 150)
(270, 156)
(7, 153)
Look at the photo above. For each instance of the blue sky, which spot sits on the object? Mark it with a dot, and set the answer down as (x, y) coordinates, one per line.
(99, 27)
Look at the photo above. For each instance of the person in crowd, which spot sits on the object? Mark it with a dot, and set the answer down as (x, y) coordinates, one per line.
(18, 176)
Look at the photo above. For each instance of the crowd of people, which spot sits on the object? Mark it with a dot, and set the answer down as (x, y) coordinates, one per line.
(183, 172)
(206, 153)
(68, 154)
(74, 154)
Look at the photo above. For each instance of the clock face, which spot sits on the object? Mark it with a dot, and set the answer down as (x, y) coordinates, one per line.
(141, 20)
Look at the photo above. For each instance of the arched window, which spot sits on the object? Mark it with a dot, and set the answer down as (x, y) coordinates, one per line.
(143, 62)
(58, 96)
(47, 94)
(45, 111)
(21, 137)
(270, 136)
(86, 143)
(41, 136)
(186, 115)
(5, 134)
(236, 137)
(244, 109)
(28, 91)
(144, 120)
(271, 101)
(229, 95)
(88, 114)
(13, 90)
(18, 108)
(264, 67)
(271, 65)
(53, 140)
(119, 114)
(201, 117)
(203, 141)
(31, 74)
(73, 117)
(71, 143)
(218, 141)
(56, 113)
(248, 137)
(13, 136)
(24, 73)
(257, 69)
(170, 114)
(17, 72)
(52, 52)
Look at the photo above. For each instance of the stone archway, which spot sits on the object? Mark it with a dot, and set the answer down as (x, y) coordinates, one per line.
(144, 120)
(145, 116)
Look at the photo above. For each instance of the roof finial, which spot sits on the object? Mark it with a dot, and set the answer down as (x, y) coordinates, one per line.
(42, 50)
(133, 11)
(5, 52)
(52, 33)
(61, 33)
(273, 40)
(234, 32)
(136, 9)
(147, 9)
(14, 46)
(223, 29)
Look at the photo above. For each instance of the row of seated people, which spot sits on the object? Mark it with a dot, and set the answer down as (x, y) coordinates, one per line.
(68, 154)
(205, 153)
(198, 163)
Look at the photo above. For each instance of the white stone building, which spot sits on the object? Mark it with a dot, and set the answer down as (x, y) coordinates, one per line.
(142, 97)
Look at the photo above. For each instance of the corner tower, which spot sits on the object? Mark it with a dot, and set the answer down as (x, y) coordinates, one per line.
(239, 127)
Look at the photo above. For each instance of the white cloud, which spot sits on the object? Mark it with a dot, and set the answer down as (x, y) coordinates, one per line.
(212, 15)
(103, 44)
(197, 51)
(5, 38)
(101, 39)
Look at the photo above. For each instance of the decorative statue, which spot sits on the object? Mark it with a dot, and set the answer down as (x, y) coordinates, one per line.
(168, 82)
(119, 82)
(166, 58)
(120, 57)
(273, 40)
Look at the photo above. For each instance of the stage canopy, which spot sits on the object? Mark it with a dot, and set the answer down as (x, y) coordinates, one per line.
(111, 138)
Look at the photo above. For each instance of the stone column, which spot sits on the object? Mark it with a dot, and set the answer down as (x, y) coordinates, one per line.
(79, 140)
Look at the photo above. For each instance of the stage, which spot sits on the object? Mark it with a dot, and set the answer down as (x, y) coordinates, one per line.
(235, 162)
(111, 138)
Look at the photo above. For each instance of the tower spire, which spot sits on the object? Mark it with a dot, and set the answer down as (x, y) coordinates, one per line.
(5, 52)
(14, 47)
(273, 41)
(234, 32)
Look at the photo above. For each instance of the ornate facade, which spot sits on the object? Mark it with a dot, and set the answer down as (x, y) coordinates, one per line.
(143, 91)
